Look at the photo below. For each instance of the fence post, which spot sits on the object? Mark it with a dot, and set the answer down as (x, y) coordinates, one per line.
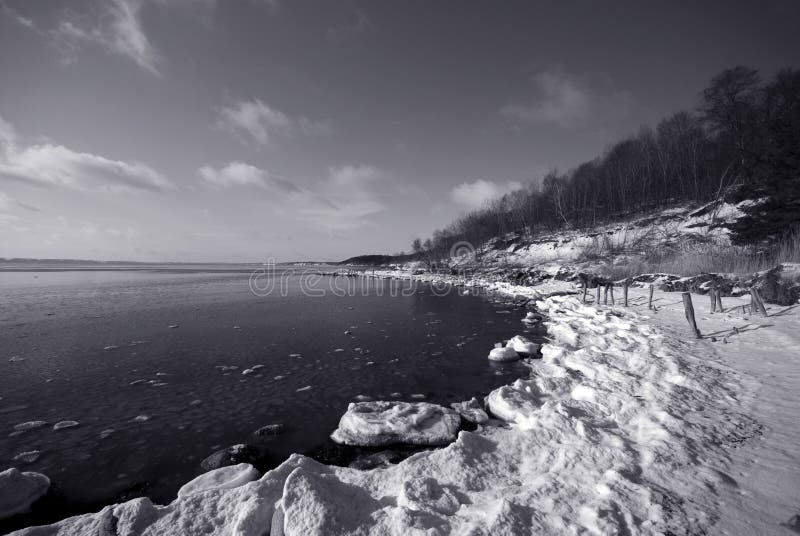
(597, 301)
(756, 302)
(719, 301)
(605, 294)
(689, 309)
(712, 293)
(585, 290)
(611, 290)
(650, 303)
(625, 293)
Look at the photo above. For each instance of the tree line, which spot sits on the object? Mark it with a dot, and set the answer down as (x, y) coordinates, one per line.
(742, 141)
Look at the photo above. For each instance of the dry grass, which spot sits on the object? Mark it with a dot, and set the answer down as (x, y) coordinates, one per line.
(711, 258)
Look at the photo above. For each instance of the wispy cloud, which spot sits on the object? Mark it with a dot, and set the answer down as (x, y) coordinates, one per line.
(340, 202)
(359, 23)
(241, 174)
(476, 194)
(258, 123)
(118, 30)
(570, 101)
(48, 164)
(8, 203)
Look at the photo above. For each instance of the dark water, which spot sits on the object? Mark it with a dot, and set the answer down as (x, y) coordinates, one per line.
(55, 326)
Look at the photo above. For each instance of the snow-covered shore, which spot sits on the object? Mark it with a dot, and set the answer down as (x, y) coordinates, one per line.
(625, 425)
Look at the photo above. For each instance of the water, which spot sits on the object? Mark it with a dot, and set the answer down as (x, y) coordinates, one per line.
(96, 346)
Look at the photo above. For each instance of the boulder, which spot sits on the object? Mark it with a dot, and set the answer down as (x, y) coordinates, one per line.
(394, 422)
(780, 285)
(232, 456)
(231, 476)
(18, 491)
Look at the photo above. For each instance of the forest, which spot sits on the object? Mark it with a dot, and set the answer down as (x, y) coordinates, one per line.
(742, 141)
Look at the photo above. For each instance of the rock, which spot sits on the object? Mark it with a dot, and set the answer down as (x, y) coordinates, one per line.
(780, 285)
(65, 424)
(471, 411)
(523, 346)
(234, 455)
(270, 430)
(386, 423)
(228, 477)
(18, 491)
(503, 354)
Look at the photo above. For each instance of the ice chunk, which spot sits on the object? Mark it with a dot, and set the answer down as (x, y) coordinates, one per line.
(385, 423)
(18, 491)
(28, 456)
(65, 424)
(228, 477)
(472, 411)
(503, 354)
(521, 345)
(30, 425)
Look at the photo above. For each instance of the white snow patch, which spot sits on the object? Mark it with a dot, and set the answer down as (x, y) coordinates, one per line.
(231, 476)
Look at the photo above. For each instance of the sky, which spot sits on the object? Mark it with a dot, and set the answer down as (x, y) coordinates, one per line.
(295, 130)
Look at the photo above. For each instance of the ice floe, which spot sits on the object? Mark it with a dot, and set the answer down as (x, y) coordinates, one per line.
(60, 425)
(471, 410)
(228, 477)
(19, 490)
(503, 354)
(29, 425)
(523, 346)
(393, 422)
(29, 456)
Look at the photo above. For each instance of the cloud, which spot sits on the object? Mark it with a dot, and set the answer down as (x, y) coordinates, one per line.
(241, 174)
(257, 122)
(7, 203)
(570, 101)
(345, 198)
(340, 202)
(359, 24)
(118, 29)
(476, 194)
(58, 166)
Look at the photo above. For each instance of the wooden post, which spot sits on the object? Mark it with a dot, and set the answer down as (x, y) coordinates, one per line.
(625, 292)
(713, 295)
(611, 290)
(756, 302)
(605, 294)
(650, 303)
(689, 309)
(585, 289)
(597, 301)
(719, 301)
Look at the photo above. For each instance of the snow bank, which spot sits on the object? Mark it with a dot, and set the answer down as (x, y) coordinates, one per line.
(228, 477)
(522, 345)
(18, 491)
(618, 430)
(385, 423)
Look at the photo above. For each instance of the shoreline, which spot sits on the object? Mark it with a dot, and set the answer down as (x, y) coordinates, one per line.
(301, 471)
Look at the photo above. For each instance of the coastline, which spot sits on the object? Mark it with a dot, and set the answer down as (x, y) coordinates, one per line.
(466, 485)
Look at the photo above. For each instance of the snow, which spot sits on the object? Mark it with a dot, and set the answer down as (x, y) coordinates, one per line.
(231, 476)
(503, 354)
(390, 422)
(65, 424)
(627, 425)
(18, 491)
